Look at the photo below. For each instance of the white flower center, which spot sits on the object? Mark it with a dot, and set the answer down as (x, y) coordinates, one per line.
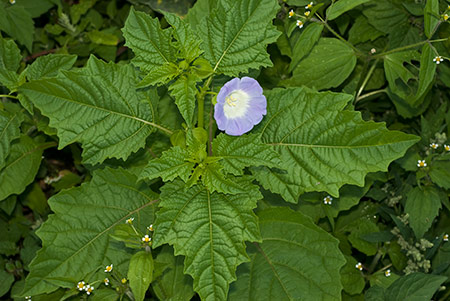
(236, 104)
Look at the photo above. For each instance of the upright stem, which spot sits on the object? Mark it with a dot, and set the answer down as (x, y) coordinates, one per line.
(9, 96)
(366, 80)
(201, 102)
(408, 47)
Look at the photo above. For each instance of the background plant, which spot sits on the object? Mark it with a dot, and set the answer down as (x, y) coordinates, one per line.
(106, 122)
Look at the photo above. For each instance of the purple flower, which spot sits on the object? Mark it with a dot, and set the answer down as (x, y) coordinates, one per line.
(240, 106)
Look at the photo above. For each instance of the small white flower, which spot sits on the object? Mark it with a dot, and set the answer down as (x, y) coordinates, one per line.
(327, 200)
(447, 147)
(27, 297)
(89, 289)
(307, 13)
(387, 273)
(146, 238)
(434, 145)
(438, 59)
(130, 220)
(421, 163)
(310, 5)
(299, 24)
(359, 266)
(445, 237)
(14, 2)
(445, 16)
(150, 228)
(81, 285)
(373, 50)
(109, 268)
(291, 13)
(106, 281)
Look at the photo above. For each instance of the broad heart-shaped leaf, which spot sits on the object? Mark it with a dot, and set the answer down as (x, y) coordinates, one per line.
(9, 130)
(422, 205)
(75, 239)
(236, 33)
(9, 62)
(328, 64)
(236, 153)
(21, 166)
(173, 163)
(98, 106)
(297, 260)
(210, 230)
(340, 7)
(151, 45)
(323, 146)
(414, 287)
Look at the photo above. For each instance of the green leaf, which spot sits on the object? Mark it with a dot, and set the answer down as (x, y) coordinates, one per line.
(10, 58)
(426, 73)
(359, 229)
(21, 166)
(322, 70)
(362, 31)
(36, 8)
(160, 75)
(414, 287)
(17, 23)
(9, 130)
(440, 173)
(173, 163)
(431, 19)
(342, 6)
(236, 153)
(210, 230)
(385, 16)
(102, 38)
(308, 38)
(150, 44)
(188, 42)
(184, 90)
(397, 74)
(323, 146)
(140, 274)
(173, 284)
(352, 279)
(235, 35)
(76, 238)
(215, 180)
(422, 205)
(296, 260)
(98, 106)
(6, 280)
(50, 65)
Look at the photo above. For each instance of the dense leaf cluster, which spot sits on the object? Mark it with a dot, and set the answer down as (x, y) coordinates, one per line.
(115, 182)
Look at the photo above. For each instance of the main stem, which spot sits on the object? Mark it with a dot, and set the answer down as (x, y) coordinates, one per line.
(201, 102)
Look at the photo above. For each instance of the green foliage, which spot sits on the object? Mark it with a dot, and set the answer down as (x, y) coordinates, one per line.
(75, 240)
(321, 70)
(330, 197)
(107, 108)
(140, 273)
(423, 206)
(324, 137)
(242, 45)
(280, 268)
(209, 229)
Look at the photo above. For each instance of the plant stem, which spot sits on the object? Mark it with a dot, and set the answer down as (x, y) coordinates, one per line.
(366, 79)
(408, 47)
(201, 102)
(337, 35)
(9, 96)
(374, 262)
(369, 94)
